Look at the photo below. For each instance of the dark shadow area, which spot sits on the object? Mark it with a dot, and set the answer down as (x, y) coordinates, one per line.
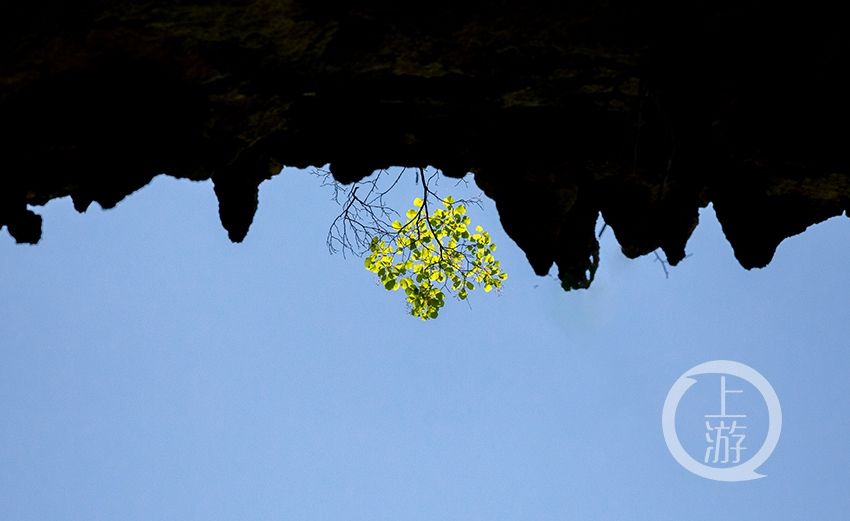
(562, 110)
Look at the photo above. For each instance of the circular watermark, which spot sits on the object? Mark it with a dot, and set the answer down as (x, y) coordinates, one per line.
(724, 432)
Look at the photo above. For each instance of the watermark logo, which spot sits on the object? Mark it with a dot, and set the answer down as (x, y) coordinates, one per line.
(724, 451)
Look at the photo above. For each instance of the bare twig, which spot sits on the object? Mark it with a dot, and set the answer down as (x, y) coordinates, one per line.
(663, 264)
(366, 214)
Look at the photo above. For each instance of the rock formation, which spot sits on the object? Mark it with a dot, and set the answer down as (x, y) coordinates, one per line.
(641, 111)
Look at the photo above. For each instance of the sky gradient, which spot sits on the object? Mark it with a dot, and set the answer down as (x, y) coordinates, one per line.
(150, 369)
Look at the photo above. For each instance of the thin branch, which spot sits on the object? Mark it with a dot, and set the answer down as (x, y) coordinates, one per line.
(663, 264)
(366, 214)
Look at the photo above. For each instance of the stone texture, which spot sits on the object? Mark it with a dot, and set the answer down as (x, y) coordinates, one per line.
(641, 111)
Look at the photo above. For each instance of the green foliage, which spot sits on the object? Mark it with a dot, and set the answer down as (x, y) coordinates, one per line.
(434, 253)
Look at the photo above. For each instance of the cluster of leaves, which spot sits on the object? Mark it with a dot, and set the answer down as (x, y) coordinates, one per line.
(434, 253)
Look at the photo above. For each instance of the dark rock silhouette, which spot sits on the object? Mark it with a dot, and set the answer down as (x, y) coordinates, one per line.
(643, 111)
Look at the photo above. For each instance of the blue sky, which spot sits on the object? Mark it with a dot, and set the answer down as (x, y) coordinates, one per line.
(149, 369)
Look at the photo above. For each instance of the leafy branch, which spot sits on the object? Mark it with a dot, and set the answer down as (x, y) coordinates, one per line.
(428, 253)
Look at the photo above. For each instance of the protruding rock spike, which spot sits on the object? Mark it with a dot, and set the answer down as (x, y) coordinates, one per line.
(25, 227)
(237, 189)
